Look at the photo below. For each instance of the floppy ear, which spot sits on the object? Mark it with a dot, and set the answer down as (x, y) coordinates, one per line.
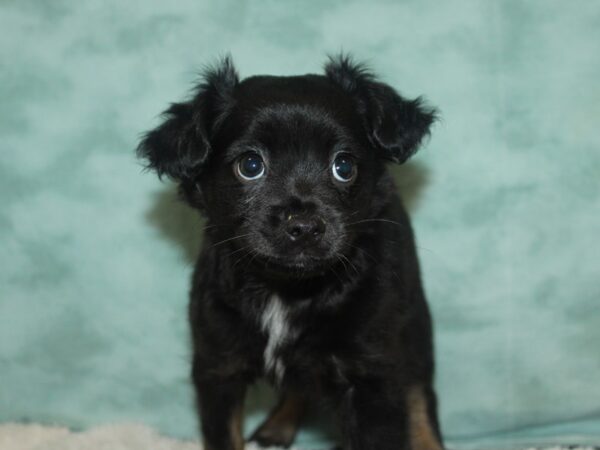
(393, 124)
(181, 145)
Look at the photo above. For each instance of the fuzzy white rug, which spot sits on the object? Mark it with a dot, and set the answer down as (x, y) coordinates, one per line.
(107, 437)
(114, 437)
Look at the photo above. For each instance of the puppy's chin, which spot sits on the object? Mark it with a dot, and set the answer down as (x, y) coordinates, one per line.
(294, 266)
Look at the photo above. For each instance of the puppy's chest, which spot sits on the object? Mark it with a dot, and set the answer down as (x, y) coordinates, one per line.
(282, 331)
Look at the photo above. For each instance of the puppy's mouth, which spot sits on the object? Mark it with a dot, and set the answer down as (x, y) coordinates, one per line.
(301, 265)
(276, 253)
(301, 261)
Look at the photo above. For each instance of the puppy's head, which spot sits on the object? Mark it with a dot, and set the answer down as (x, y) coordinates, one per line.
(285, 167)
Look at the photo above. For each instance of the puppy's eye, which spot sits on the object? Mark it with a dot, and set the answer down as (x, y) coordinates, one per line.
(250, 166)
(344, 168)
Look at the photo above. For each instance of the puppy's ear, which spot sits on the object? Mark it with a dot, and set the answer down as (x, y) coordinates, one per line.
(393, 124)
(180, 146)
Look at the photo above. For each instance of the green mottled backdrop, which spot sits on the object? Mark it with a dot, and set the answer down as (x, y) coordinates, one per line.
(95, 255)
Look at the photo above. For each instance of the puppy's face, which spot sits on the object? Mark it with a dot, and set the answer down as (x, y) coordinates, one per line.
(291, 174)
(286, 167)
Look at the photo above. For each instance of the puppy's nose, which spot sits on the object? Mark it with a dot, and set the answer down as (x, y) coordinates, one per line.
(302, 228)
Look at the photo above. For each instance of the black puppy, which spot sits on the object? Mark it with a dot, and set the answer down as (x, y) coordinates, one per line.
(308, 274)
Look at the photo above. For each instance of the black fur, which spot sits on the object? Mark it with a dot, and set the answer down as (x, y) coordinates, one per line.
(359, 330)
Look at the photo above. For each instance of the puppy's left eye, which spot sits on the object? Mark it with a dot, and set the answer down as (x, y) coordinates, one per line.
(343, 168)
(250, 167)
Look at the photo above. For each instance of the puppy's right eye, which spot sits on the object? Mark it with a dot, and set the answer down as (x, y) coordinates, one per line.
(250, 166)
(343, 168)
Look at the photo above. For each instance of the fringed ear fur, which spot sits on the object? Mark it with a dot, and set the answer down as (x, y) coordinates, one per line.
(180, 145)
(393, 124)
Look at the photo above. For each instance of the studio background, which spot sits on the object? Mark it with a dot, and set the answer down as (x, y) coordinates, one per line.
(96, 255)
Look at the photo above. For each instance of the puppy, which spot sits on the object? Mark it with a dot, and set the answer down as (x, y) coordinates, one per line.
(308, 274)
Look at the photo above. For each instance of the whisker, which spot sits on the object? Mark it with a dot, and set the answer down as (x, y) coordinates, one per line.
(377, 220)
(335, 273)
(241, 258)
(238, 250)
(349, 262)
(207, 227)
(337, 255)
(376, 262)
(253, 257)
(230, 239)
(424, 248)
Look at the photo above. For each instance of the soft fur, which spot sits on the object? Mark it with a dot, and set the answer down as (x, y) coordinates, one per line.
(303, 279)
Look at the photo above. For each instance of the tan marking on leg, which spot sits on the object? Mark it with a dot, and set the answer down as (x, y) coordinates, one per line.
(422, 434)
(235, 428)
(282, 424)
(236, 435)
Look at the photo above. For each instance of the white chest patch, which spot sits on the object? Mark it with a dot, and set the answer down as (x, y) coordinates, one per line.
(275, 323)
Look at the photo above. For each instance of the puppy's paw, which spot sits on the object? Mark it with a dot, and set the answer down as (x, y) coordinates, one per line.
(273, 436)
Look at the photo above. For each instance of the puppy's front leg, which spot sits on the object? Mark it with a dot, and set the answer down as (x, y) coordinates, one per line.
(220, 401)
(280, 428)
(373, 418)
(378, 418)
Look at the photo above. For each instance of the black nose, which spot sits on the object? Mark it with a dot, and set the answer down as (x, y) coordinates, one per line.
(300, 228)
